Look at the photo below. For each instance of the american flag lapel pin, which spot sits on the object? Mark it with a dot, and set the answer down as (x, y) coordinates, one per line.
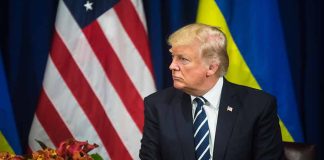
(229, 108)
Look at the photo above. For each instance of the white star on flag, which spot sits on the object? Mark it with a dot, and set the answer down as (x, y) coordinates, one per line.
(88, 5)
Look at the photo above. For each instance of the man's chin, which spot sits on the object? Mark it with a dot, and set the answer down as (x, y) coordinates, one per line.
(183, 88)
(178, 85)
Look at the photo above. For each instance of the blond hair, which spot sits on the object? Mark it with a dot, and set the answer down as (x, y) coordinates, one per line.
(212, 42)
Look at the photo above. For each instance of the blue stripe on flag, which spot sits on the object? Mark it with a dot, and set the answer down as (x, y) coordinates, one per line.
(7, 121)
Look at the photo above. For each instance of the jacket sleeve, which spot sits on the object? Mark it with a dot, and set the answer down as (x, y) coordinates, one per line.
(150, 143)
(267, 143)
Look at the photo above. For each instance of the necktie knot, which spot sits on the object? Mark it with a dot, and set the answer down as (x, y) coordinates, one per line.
(200, 101)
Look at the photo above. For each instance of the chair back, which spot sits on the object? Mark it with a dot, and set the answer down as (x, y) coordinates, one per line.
(299, 151)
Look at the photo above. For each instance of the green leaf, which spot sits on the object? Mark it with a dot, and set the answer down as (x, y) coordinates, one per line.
(96, 156)
(41, 144)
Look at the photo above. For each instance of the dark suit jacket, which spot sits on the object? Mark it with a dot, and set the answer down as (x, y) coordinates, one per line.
(250, 132)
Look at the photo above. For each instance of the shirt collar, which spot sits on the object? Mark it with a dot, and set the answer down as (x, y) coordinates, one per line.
(213, 95)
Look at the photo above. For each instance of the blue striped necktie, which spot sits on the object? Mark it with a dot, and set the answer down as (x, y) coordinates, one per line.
(201, 131)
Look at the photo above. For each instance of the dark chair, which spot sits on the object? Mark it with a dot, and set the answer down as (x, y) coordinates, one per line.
(299, 151)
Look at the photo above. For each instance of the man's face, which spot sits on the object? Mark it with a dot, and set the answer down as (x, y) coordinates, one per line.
(189, 70)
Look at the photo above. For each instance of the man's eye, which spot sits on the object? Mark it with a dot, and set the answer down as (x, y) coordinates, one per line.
(184, 59)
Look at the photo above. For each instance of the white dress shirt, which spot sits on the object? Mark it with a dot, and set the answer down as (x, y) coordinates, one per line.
(211, 108)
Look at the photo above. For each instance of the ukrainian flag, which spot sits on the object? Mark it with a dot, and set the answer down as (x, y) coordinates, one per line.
(258, 57)
(9, 141)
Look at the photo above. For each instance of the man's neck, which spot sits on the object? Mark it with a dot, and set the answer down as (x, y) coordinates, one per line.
(204, 89)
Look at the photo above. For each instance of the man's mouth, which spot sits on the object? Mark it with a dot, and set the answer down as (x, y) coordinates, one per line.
(176, 78)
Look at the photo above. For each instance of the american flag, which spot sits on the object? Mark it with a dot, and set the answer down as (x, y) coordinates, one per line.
(97, 74)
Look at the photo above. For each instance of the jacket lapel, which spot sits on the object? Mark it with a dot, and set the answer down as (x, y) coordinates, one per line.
(184, 125)
(228, 111)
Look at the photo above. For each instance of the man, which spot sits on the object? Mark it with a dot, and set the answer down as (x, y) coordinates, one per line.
(204, 116)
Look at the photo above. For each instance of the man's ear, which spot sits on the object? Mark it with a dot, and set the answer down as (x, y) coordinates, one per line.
(213, 68)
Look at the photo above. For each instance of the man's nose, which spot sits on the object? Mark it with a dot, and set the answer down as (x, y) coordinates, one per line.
(173, 65)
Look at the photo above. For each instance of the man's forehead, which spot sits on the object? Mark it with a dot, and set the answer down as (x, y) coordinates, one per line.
(180, 48)
(178, 51)
(183, 49)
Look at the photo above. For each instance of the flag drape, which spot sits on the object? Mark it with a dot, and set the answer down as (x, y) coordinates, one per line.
(4, 145)
(9, 140)
(98, 72)
(257, 53)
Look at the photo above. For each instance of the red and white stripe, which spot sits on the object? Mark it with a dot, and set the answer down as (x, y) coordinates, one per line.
(95, 82)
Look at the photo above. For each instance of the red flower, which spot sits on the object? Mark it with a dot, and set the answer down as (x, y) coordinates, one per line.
(75, 149)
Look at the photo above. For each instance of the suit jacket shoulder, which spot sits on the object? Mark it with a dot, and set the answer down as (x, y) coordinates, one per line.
(164, 96)
(246, 91)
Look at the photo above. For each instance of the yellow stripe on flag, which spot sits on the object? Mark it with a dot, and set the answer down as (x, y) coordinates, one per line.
(4, 145)
(238, 71)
